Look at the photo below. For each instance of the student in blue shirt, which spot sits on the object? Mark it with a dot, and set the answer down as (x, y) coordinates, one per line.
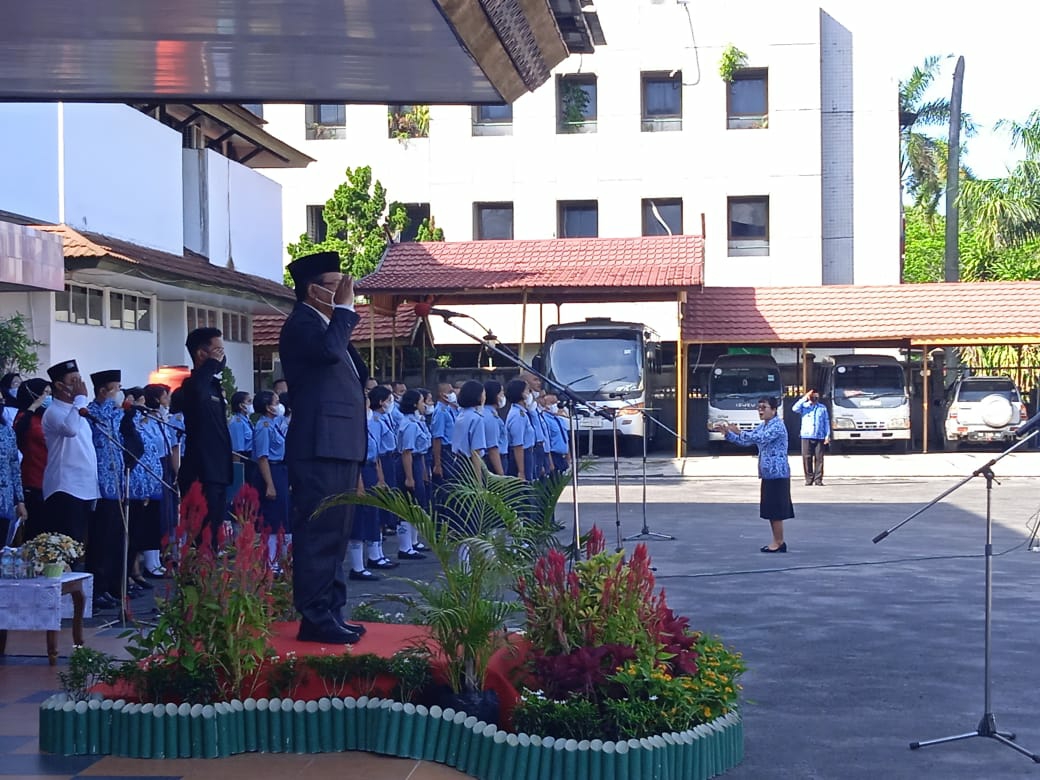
(494, 428)
(442, 426)
(365, 530)
(520, 435)
(542, 463)
(559, 433)
(773, 468)
(467, 444)
(382, 474)
(272, 474)
(241, 429)
(413, 443)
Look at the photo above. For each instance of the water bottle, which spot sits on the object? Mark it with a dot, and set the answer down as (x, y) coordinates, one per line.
(7, 563)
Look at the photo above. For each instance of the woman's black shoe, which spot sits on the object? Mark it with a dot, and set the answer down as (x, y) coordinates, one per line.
(141, 581)
(382, 563)
(781, 548)
(364, 574)
(411, 555)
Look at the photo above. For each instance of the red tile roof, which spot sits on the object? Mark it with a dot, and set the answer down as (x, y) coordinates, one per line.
(84, 245)
(268, 327)
(550, 270)
(931, 314)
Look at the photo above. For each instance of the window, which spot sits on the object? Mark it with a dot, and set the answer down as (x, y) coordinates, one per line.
(747, 100)
(256, 108)
(577, 219)
(199, 317)
(492, 220)
(662, 102)
(576, 104)
(235, 327)
(493, 120)
(662, 210)
(416, 212)
(317, 230)
(80, 305)
(326, 121)
(749, 226)
(408, 121)
(129, 312)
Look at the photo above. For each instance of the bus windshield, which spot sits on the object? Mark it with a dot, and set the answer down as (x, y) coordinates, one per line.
(865, 387)
(597, 366)
(739, 387)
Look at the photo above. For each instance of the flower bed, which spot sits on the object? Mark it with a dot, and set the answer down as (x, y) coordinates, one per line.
(115, 727)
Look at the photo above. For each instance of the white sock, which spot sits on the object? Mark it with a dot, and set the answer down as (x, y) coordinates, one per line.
(415, 534)
(374, 553)
(272, 548)
(379, 551)
(404, 536)
(151, 560)
(286, 541)
(357, 560)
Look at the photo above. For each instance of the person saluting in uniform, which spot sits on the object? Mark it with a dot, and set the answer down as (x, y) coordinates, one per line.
(327, 441)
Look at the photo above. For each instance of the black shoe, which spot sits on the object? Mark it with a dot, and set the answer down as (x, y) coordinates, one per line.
(808, 482)
(330, 635)
(781, 548)
(356, 628)
(420, 547)
(382, 563)
(364, 574)
(411, 555)
(105, 601)
(820, 483)
(157, 574)
(142, 582)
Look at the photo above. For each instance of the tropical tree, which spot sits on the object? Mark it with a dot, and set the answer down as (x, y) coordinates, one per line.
(923, 156)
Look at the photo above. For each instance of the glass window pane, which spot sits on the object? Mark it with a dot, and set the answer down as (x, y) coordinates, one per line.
(211, 319)
(79, 304)
(747, 96)
(495, 221)
(225, 325)
(115, 310)
(144, 313)
(61, 305)
(748, 219)
(668, 211)
(130, 304)
(495, 114)
(579, 220)
(662, 98)
(95, 307)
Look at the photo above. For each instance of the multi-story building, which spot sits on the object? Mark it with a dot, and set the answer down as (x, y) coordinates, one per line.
(150, 220)
(789, 170)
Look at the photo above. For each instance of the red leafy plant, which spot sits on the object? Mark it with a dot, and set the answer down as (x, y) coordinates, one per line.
(213, 626)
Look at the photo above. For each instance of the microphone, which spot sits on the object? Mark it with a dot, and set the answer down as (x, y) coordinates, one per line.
(1028, 426)
(84, 413)
(425, 309)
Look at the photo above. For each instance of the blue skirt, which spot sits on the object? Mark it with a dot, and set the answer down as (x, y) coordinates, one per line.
(391, 462)
(274, 513)
(511, 466)
(366, 518)
(420, 474)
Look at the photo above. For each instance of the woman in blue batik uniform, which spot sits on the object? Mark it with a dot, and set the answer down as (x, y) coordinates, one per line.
(773, 468)
(519, 431)
(145, 443)
(494, 428)
(12, 497)
(272, 475)
(413, 443)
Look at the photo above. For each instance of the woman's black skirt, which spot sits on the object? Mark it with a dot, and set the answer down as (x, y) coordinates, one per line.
(775, 500)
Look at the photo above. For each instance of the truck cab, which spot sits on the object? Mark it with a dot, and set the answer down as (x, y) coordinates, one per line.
(735, 384)
(868, 400)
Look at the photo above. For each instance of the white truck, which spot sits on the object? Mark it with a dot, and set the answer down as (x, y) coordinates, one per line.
(868, 399)
(734, 387)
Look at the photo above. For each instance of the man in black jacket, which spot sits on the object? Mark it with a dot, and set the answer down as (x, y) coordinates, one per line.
(207, 456)
(326, 442)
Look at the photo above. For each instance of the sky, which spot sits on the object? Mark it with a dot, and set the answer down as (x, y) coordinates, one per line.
(997, 39)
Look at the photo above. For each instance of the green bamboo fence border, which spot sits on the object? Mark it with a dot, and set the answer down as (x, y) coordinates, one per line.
(116, 727)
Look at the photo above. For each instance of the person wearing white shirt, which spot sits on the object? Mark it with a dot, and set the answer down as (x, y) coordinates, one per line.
(70, 478)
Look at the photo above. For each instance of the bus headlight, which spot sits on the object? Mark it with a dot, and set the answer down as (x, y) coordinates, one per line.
(899, 422)
(844, 424)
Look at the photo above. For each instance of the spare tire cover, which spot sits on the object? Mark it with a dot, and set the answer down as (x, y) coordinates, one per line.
(996, 411)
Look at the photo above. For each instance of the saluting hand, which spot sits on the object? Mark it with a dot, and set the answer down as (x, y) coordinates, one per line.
(344, 292)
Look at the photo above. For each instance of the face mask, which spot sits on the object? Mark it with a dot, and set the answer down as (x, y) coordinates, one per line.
(501, 402)
(332, 296)
(452, 398)
(222, 364)
(119, 398)
(248, 409)
(279, 410)
(13, 392)
(45, 402)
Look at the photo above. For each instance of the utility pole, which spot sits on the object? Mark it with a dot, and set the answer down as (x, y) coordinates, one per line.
(953, 172)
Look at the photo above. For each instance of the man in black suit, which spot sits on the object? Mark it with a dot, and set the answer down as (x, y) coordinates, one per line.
(207, 456)
(326, 442)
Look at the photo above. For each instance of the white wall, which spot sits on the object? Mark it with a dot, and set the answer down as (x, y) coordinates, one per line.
(123, 175)
(171, 317)
(36, 309)
(98, 348)
(29, 184)
(240, 361)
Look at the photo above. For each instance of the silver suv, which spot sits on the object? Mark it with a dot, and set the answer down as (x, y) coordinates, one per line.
(983, 408)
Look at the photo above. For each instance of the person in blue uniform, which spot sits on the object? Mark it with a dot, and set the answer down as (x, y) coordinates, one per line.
(558, 428)
(271, 476)
(442, 426)
(468, 443)
(520, 436)
(143, 442)
(157, 404)
(381, 425)
(366, 530)
(494, 428)
(12, 496)
(413, 444)
(105, 550)
(241, 429)
(327, 440)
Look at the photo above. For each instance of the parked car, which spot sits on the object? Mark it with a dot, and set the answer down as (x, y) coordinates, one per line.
(983, 409)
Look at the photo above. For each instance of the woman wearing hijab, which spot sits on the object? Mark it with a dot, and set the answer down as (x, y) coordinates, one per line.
(34, 396)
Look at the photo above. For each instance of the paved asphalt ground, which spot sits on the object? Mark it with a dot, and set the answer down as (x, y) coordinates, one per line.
(854, 649)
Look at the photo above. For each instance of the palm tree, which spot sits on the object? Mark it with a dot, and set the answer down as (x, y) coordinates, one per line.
(922, 157)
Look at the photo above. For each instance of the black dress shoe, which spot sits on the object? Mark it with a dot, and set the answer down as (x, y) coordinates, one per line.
(411, 555)
(363, 575)
(329, 635)
(142, 582)
(382, 563)
(781, 548)
(420, 547)
(157, 574)
(104, 601)
(355, 627)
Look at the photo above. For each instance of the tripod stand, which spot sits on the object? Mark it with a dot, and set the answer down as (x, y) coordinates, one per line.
(987, 726)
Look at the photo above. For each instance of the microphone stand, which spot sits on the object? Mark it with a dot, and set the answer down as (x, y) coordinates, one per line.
(124, 511)
(987, 726)
(573, 402)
